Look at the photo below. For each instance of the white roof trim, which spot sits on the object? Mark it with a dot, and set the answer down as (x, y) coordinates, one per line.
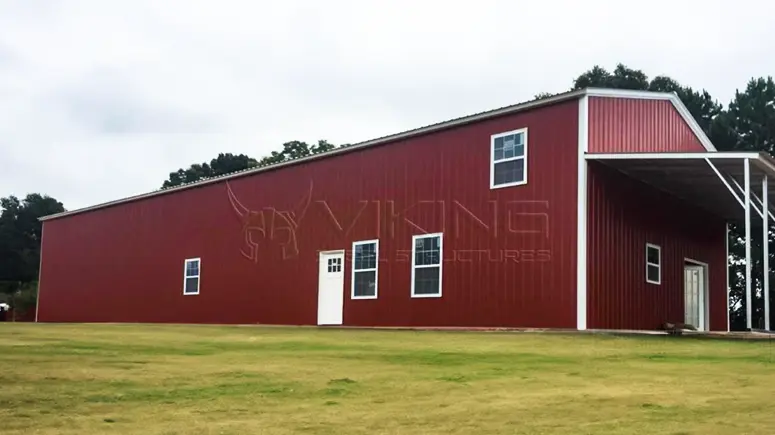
(647, 156)
(672, 97)
(533, 104)
(761, 159)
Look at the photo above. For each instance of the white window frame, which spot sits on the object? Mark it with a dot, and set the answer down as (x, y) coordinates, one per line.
(657, 265)
(440, 265)
(375, 270)
(522, 131)
(198, 276)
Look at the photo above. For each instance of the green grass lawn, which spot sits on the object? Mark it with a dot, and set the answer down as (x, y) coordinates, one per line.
(151, 379)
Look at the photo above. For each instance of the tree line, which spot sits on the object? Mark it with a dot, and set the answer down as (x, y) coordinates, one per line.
(746, 123)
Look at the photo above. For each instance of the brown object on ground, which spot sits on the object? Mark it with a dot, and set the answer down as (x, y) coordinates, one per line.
(677, 328)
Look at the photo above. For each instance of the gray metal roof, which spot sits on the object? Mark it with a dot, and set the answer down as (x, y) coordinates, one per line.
(693, 178)
(615, 93)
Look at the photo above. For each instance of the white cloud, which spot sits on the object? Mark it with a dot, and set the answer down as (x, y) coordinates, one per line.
(100, 100)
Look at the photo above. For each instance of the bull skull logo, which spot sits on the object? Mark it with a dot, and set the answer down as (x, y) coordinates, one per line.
(270, 224)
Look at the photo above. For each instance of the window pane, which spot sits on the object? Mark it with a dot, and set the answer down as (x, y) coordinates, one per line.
(365, 256)
(652, 273)
(508, 146)
(365, 283)
(370, 261)
(498, 148)
(358, 257)
(510, 172)
(192, 268)
(652, 255)
(192, 285)
(427, 250)
(426, 281)
(368, 257)
(520, 139)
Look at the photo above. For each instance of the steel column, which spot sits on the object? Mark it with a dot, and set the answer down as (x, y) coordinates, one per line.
(766, 249)
(748, 301)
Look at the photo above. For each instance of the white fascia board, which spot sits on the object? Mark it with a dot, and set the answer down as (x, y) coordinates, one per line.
(672, 156)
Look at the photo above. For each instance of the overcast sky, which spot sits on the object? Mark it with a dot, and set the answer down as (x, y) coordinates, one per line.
(102, 99)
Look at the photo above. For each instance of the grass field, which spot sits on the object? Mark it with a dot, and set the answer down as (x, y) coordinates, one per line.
(103, 379)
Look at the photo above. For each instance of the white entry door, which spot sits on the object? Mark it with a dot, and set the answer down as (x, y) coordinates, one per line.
(694, 296)
(331, 288)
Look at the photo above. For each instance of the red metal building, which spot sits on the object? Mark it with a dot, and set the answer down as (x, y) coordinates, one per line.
(556, 213)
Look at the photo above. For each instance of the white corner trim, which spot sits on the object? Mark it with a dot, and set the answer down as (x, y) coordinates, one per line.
(726, 263)
(40, 273)
(581, 218)
(669, 96)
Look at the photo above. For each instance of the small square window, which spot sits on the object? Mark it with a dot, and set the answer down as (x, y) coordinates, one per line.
(334, 265)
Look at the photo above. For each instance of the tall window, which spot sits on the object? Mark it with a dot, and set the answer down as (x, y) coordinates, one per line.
(426, 265)
(653, 264)
(508, 159)
(365, 261)
(191, 277)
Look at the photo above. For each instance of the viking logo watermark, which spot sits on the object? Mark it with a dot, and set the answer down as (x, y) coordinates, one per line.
(270, 225)
(492, 220)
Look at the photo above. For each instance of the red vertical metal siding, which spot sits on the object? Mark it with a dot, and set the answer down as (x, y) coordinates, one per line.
(638, 125)
(509, 254)
(624, 215)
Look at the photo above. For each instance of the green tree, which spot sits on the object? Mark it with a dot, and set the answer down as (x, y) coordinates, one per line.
(701, 105)
(542, 95)
(748, 125)
(20, 237)
(221, 165)
(228, 163)
(622, 78)
(750, 117)
(295, 150)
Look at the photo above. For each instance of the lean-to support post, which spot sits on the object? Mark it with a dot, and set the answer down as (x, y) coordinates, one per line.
(748, 301)
(766, 249)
